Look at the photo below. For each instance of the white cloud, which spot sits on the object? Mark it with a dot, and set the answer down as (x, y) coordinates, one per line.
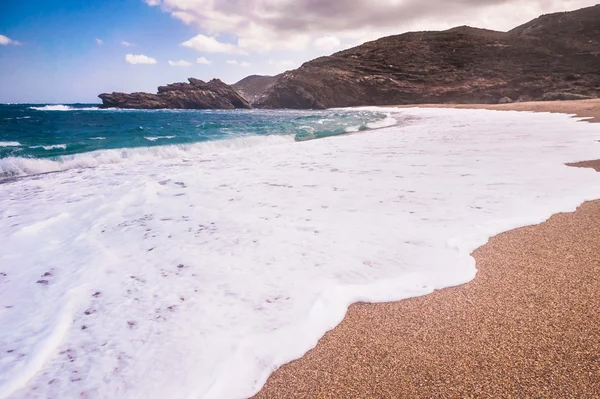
(203, 60)
(5, 41)
(283, 63)
(127, 44)
(327, 43)
(184, 16)
(180, 63)
(243, 64)
(257, 38)
(206, 44)
(293, 25)
(99, 41)
(139, 59)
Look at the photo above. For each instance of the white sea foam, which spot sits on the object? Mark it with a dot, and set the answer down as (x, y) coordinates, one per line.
(61, 107)
(195, 277)
(23, 166)
(51, 147)
(159, 138)
(9, 144)
(353, 129)
(97, 138)
(58, 107)
(388, 121)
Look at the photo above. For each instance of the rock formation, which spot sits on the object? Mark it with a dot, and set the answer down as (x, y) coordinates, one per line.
(557, 53)
(254, 86)
(196, 94)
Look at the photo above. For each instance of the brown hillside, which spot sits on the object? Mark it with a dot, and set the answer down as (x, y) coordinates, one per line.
(253, 86)
(556, 56)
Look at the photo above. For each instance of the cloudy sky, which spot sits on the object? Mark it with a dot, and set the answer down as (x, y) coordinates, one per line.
(71, 50)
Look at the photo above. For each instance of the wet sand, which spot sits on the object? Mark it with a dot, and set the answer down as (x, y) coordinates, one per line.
(527, 326)
(581, 108)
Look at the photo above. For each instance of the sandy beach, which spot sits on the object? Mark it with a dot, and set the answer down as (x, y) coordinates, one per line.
(526, 326)
(582, 108)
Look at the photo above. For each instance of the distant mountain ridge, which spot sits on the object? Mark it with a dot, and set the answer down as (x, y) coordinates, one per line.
(554, 56)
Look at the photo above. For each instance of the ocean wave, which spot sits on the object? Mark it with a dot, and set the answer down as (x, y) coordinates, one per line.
(387, 122)
(61, 107)
(51, 147)
(10, 144)
(97, 138)
(310, 133)
(159, 137)
(21, 166)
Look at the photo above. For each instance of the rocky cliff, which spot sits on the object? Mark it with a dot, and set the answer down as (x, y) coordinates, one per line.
(254, 86)
(196, 94)
(557, 54)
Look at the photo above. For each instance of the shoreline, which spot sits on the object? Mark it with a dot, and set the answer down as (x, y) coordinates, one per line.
(577, 108)
(526, 326)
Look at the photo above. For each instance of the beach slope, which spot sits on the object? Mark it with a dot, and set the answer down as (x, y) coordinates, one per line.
(526, 326)
(580, 108)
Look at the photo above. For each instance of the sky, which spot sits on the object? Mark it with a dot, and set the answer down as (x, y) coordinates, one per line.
(71, 50)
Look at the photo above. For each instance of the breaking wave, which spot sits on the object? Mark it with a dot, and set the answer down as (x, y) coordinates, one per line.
(159, 137)
(10, 144)
(11, 167)
(310, 133)
(61, 107)
(51, 147)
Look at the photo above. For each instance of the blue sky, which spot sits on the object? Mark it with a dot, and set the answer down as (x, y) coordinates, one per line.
(72, 50)
(59, 60)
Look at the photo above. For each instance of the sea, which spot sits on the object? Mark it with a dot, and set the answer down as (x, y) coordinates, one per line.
(189, 254)
(47, 138)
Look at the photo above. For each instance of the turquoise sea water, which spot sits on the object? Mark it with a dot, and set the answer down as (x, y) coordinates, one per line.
(58, 133)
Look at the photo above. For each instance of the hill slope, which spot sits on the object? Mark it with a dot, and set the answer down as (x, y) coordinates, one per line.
(566, 32)
(253, 86)
(463, 65)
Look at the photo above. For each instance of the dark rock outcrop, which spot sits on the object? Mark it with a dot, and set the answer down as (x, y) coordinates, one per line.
(196, 94)
(554, 53)
(254, 86)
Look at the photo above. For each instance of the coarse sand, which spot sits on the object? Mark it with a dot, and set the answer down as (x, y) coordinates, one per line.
(528, 325)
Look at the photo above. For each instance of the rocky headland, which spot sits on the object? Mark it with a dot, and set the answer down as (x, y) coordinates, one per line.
(196, 94)
(554, 57)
